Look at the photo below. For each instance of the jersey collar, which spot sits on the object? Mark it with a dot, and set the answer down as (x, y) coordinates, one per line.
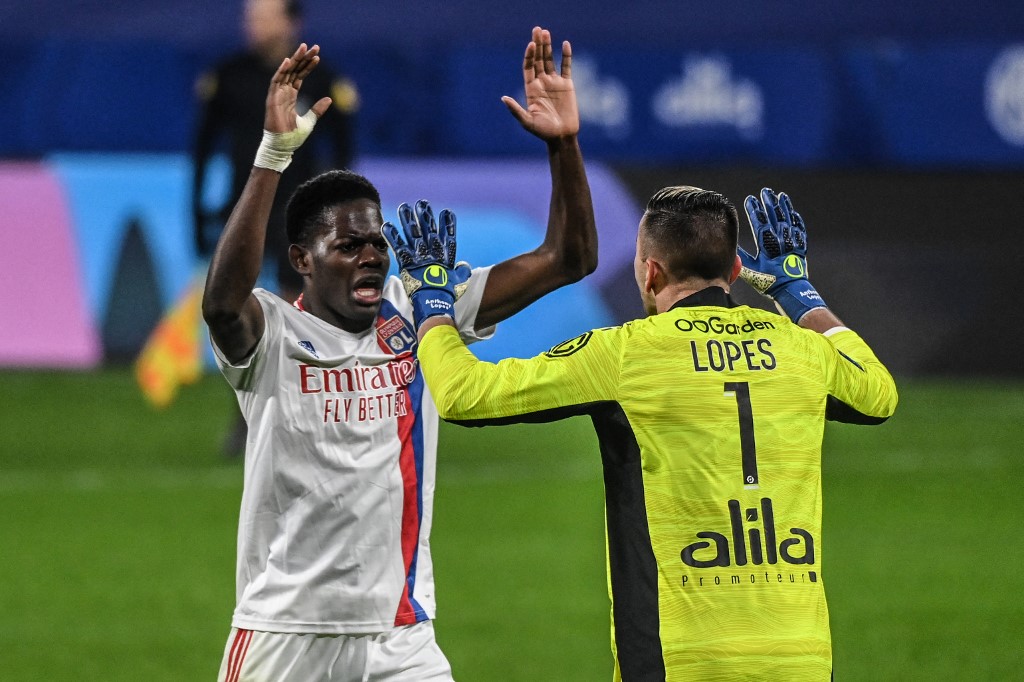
(712, 296)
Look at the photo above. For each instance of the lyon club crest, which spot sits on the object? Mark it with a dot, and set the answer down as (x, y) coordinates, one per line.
(395, 335)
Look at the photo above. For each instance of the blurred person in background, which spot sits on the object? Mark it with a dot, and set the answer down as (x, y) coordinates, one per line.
(710, 417)
(334, 576)
(231, 98)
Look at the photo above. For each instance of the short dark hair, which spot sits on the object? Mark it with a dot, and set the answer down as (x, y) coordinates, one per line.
(694, 230)
(305, 213)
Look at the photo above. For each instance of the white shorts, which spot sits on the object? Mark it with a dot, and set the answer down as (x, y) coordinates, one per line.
(407, 653)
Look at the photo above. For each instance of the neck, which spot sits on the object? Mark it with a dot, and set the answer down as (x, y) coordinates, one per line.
(670, 294)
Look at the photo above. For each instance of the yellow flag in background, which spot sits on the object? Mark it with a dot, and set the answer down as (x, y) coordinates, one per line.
(172, 356)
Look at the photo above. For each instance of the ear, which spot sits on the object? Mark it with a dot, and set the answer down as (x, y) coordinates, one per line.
(654, 276)
(736, 267)
(300, 258)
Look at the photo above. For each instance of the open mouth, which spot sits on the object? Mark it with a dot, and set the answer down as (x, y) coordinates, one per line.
(369, 291)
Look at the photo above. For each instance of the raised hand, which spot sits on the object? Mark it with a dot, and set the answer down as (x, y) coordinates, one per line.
(425, 251)
(551, 109)
(284, 90)
(284, 130)
(778, 268)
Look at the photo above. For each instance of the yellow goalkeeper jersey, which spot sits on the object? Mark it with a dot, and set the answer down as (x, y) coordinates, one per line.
(710, 418)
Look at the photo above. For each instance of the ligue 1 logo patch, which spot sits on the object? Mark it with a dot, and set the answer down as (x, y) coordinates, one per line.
(569, 347)
(395, 335)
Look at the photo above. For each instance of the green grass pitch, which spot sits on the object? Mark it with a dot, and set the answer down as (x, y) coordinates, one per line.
(118, 538)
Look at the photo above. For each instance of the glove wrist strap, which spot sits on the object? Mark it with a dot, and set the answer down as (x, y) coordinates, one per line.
(429, 302)
(798, 298)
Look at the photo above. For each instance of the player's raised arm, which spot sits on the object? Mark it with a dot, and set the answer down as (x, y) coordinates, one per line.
(229, 307)
(569, 250)
(778, 268)
(862, 390)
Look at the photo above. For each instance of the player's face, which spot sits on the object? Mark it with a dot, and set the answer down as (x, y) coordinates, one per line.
(348, 263)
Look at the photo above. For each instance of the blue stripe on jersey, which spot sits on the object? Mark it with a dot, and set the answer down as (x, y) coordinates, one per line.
(415, 398)
(387, 311)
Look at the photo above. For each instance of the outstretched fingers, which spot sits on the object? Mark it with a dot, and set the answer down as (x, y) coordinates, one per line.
(538, 51)
(529, 72)
(295, 68)
(779, 217)
(393, 236)
(548, 52)
(321, 106)
(771, 206)
(446, 224)
(566, 59)
(517, 110)
(762, 226)
(425, 217)
(796, 222)
(308, 62)
(755, 214)
(410, 226)
(446, 220)
(398, 245)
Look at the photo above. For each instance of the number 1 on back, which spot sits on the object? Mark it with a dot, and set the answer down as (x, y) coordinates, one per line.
(748, 449)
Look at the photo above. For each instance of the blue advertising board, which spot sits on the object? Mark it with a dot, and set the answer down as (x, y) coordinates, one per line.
(878, 103)
(941, 105)
(753, 105)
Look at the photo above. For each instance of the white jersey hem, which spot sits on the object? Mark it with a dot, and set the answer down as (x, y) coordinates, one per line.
(336, 628)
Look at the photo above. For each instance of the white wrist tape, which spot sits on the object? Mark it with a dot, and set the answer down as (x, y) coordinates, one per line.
(276, 149)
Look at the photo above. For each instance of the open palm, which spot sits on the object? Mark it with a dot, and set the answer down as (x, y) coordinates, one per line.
(551, 109)
(280, 115)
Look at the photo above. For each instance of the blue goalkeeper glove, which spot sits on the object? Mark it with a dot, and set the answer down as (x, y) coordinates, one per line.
(426, 258)
(779, 270)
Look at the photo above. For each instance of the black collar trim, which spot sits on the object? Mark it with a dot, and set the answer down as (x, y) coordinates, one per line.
(712, 296)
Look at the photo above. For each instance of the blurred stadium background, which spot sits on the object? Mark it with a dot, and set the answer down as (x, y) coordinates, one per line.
(898, 128)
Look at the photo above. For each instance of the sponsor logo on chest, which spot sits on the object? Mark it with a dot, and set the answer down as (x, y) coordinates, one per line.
(360, 393)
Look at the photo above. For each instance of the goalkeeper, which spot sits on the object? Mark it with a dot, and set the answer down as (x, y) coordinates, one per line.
(710, 417)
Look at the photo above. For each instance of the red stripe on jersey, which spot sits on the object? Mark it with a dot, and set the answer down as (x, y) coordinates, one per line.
(406, 614)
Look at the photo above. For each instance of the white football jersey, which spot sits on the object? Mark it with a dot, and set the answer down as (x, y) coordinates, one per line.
(334, 530)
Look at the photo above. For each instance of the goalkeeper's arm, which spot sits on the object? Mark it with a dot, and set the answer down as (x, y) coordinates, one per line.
(861, 389)
(778, 268)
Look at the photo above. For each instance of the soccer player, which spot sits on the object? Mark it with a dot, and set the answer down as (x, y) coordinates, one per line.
(710, 417)
(334, 574)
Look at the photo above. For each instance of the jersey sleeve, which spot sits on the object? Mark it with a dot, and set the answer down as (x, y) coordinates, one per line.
(861, 389)
(244, 374)
(567, 380)
(468, 306)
